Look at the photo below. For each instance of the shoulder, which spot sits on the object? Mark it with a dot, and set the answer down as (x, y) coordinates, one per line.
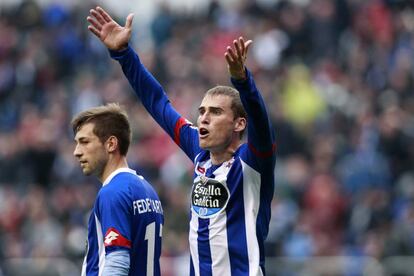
(255, 159)
(119, 185)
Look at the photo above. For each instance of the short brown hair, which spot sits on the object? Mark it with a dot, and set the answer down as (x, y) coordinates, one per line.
(236, 104)
(108, 120)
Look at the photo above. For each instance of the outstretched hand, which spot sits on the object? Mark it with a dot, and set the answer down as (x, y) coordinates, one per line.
(112, 35)
(236, 58)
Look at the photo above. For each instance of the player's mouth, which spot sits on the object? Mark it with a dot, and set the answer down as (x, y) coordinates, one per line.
(203, 133)
(83, 163)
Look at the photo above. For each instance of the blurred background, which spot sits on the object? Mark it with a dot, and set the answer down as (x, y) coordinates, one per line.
(338, 80)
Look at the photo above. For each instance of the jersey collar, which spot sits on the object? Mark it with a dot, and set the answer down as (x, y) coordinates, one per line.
(120, 170)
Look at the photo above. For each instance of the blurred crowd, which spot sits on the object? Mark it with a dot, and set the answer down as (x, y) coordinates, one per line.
(338, 79)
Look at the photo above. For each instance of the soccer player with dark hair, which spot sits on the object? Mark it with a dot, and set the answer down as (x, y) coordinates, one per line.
(233, 181)
(125, 226)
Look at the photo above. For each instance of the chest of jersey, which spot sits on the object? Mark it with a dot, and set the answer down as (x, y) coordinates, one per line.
(210, 192)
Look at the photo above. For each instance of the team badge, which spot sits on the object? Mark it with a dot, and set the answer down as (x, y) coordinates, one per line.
(208, 197)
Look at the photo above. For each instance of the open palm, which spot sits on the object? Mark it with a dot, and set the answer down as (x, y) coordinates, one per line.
(112, 35)
(236, 58)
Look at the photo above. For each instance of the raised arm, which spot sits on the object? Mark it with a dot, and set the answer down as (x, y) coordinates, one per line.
(116, 38)
(260, 133)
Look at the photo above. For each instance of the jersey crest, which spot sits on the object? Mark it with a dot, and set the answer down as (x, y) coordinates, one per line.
(209, 196)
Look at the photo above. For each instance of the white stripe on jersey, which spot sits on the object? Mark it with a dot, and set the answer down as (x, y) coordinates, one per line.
(251, 194)
(219, 246)
(101, 250)
(193, 242)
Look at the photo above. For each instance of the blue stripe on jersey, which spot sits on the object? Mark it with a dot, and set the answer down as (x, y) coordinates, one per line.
(204, 253)
(236, 229)
(192, 273)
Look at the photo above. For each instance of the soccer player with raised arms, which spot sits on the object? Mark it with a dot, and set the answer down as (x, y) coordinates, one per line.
(233, 181)
(125, 226)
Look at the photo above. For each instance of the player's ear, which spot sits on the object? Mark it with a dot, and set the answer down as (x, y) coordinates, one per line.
(240, 124)
(111, 144)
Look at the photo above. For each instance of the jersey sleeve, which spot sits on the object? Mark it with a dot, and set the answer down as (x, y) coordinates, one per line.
(155, 100)
(260, 133)
(113, 210)
(117, 263)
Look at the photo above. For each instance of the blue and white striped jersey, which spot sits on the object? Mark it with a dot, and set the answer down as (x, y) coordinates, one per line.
(230, 202)
(127, 215)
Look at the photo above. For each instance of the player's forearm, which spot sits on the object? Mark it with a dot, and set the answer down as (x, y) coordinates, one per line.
(117, 263)
(260, 130)
(146, 87)
(148, 90)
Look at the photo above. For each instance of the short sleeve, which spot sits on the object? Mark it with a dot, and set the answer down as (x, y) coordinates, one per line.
(114, 212)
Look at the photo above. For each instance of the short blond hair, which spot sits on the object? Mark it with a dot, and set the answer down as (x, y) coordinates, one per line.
(236, 104)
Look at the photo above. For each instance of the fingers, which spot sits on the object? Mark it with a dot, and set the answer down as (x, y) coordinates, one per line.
(242, 46)
(238, 45)
(239, 49)
(104, 14)
(231, 54)
(94, 31)
(96, 20)
(94, 23)
(247, 45)
(98, 17)
(129, 19)
(229, 59)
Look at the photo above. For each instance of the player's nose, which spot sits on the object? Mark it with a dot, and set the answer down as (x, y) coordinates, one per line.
(205, 118)
(77, 152)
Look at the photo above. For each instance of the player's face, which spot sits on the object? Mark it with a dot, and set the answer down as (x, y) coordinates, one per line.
(216, 123)
(90, 151)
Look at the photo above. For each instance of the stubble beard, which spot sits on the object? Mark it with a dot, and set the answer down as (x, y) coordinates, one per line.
(94, 169)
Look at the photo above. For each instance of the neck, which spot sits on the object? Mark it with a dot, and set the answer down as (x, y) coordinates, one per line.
(114, 163)
(218, 157)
